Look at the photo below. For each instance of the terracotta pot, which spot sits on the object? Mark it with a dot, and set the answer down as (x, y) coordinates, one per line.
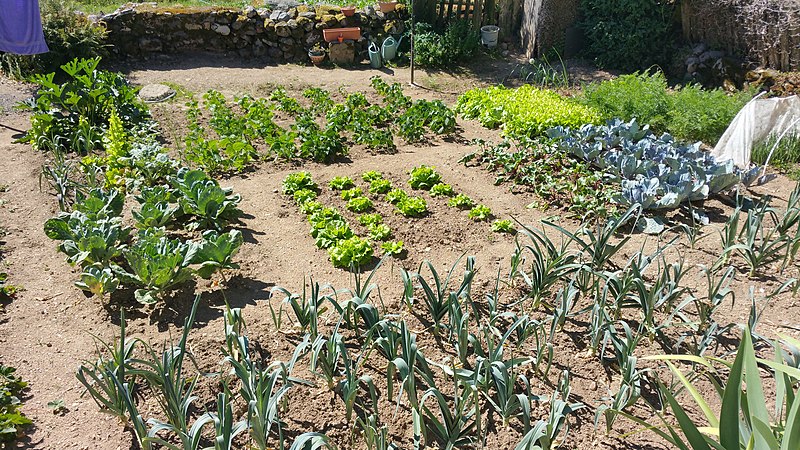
(348, 11)
(340, 34)
(316, 57)
(387, 6)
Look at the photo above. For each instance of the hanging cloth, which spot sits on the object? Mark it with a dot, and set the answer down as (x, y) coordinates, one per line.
(21, 27)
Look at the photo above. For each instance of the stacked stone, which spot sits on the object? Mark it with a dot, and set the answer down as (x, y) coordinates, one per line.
(281, 33)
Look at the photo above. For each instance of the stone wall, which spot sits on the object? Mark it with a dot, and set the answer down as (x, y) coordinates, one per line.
(278, 33)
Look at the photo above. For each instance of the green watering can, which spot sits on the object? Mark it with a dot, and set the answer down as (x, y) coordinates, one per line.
(374, 56)
(389, 48)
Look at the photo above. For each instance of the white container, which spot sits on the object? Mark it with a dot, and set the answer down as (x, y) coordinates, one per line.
(489, 35)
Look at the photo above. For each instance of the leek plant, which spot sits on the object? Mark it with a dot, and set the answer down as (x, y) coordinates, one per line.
(104, 378)
(744, 420)
(543, 265)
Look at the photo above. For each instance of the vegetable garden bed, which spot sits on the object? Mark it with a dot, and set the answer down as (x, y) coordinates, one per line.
(551, 329)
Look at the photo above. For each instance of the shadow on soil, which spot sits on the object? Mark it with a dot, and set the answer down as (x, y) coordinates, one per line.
(239, 292)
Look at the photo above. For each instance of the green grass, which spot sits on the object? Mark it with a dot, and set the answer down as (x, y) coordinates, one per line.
(786, 157)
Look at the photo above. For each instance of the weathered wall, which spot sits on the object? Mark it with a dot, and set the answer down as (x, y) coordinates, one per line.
(281, 34)
(765, 32)
(544, 24)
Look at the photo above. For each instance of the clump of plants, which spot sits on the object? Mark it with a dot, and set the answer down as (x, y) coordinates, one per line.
(412, 206)
(525, 111)
(461, 201)
(424, 178)
(629, 36)
(480, 213)
(457, 43)
(555, 176)
(654, 172)
(12, 421)
(74, 116)
(689, 113)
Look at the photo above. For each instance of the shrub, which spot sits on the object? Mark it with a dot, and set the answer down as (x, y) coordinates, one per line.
(525, 111)
(68, 34)
(642, 96)
(696, 114)
(690, 113)
(458, 43)
(629, 34)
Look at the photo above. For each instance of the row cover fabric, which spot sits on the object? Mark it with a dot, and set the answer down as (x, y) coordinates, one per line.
(759, 119)
(21, 27)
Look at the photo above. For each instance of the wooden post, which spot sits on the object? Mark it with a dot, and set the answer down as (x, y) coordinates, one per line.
(477, 14)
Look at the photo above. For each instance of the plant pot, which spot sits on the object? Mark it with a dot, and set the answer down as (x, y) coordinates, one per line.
(348, 11)
(316, 57)
(387, 6)
(489, 35)
(340, 34)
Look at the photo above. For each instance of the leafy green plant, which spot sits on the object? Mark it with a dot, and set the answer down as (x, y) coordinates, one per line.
(456, 44)
(412, 207)
(211, 206)
(371, 175)
(394, 248)
(215, 253)
(359, 204)
(85, 241)
(98, 280)
(480, 213)
(525, 111)
(503, 226)
(352, 252)
(442, 190)
(642, 96)
(341, 183)
(369, 220)
(74, 115)
(159, 208)
(298, 181)
(303, 196)
(629, 35)
(379, 232)
(12, 422)
(424, 177)
(461, 201)
(697, 114)
(349, 194)
(380, 187)
(395, 196)
(157, 263)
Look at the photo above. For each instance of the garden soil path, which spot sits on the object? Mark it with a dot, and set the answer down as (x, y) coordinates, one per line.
(47, 331)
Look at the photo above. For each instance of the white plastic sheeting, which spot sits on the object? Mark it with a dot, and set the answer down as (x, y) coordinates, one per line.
(759, 119)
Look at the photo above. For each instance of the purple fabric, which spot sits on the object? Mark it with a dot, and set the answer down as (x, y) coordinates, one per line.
(21, 27)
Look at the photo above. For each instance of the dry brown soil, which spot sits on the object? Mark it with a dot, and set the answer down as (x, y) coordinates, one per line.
(47, 331)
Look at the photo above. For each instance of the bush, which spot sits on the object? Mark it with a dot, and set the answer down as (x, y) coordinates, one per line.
(689, 114)
(458, 43)
(525, 111)
(642, 96)
(68, 34)
(629, 34)
(696, 114)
